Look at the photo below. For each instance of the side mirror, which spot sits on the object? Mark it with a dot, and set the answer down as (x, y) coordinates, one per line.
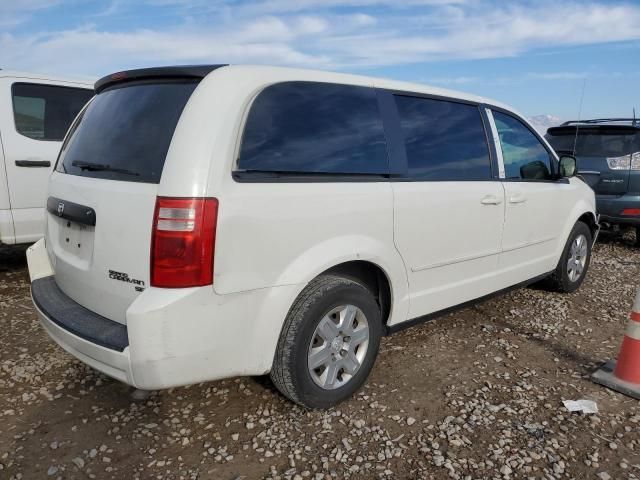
(567, 166)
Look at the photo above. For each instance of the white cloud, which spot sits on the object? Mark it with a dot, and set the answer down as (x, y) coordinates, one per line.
(557, 76)
(25, 6)
(322, 34)
(450, 80)
(15, 12)
(497, 33)
(542, 122)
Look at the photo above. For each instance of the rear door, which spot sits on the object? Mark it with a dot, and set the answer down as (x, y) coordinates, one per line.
(35, 118)
(449, 210)
(603, 154)
(102, 195)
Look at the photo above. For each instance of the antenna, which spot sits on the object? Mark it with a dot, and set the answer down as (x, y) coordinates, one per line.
(634, 117)
(575, 140)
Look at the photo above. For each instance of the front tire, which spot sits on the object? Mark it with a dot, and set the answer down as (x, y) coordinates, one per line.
(329, 342)
(574, 262)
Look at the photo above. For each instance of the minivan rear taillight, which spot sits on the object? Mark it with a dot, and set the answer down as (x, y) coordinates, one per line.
(183, 242)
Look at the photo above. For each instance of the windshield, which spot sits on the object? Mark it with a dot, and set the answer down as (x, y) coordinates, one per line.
(125, 133)
(595, 142)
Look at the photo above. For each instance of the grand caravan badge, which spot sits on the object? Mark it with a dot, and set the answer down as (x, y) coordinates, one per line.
(124, 277)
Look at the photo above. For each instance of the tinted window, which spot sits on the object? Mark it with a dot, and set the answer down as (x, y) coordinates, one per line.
(314, 128)
(523, 154)
(124, 134)
(44, 112)
(595, 142)
(444, 140)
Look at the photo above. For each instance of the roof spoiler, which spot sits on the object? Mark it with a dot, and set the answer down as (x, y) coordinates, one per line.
(184, 71)
(565, 129)
(600, 120)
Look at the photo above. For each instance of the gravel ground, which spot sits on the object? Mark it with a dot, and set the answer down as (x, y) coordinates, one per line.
(475, 394)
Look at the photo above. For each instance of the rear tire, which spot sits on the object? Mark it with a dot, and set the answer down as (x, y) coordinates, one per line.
(574, 262)
(335, 323)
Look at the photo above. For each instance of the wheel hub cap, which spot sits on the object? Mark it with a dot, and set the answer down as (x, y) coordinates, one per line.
(577, 258)
(338, 347)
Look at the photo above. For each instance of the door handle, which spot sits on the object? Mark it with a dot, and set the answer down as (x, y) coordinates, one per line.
(491, 200)
(33, 163)
(517, 198)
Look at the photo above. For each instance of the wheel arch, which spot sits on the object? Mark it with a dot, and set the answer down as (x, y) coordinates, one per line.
(372, 276)
(355, 256)
(592, 222)
(581, 212)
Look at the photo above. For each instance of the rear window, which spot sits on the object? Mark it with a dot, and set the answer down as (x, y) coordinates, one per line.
(44, 112)
(308, 127)
(595, 142)
(125, 133)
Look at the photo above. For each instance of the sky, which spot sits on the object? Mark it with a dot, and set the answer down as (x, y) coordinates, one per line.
(538, 56)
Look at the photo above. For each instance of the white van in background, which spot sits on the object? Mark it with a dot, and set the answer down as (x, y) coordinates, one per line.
(35, 113)
(206, 222)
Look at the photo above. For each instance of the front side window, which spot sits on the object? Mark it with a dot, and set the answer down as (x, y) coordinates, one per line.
(444, 140)
(308, 127)
(44, 112)
(523, 154)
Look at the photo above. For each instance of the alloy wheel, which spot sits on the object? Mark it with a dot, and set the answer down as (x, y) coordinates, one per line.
(577, 258)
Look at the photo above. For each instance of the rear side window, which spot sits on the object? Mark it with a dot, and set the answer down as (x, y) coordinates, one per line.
(125, 132)
(524, 155)
(443, 140)
(44, 112)
(308, 127)
(595, 141)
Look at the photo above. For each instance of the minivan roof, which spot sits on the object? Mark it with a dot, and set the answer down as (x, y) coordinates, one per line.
(201, 71)
(39, 76)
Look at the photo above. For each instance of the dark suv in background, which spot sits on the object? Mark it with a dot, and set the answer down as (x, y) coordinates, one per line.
(608, 153)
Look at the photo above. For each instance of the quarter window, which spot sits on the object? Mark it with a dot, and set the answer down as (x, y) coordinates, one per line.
(310, 127)
(524, 155)
(44, 112)
(444, 140)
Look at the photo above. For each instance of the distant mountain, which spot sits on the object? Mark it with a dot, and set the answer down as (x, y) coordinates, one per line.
(542, 122)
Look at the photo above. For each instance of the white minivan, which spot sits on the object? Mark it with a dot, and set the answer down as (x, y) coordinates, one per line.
(213, 221)
(35, 113)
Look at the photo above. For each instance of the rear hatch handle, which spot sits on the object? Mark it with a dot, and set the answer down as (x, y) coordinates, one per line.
(71, 211)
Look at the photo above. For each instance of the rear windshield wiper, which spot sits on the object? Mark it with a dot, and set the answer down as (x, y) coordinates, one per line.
(101, 167)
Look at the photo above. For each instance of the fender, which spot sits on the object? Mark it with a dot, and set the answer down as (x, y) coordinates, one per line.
(580, 208)
(335, 251)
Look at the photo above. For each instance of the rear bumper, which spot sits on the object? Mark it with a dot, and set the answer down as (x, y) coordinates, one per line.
(610, 208)
(172, 337)
(110, 362)
(74, 318)
(94, 340)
